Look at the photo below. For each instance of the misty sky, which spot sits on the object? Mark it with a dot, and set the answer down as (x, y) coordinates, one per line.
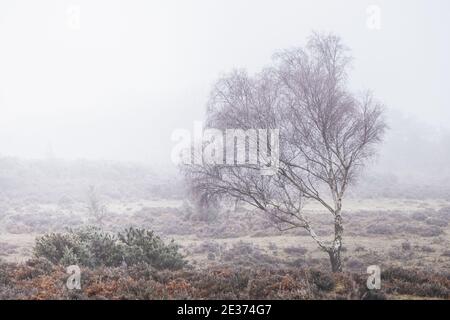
(114, 81)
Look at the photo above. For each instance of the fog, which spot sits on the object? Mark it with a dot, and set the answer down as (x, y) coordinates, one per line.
(113, 79)
(100, 98)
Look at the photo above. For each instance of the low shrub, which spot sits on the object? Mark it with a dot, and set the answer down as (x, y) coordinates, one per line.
(446, 253)
(322, 280)
(427, 249)
(92, 247)
(245, 254)
(140, 245)
(39, 279)
(429, 231)
(416, 283)
(295, 251)
(355, 264)
(437, 222)
(406, 246)
(377, 229)
(419, 216)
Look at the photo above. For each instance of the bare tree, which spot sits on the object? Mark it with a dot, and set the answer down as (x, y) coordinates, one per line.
(97, 210)
(326, 134)
(204, 207)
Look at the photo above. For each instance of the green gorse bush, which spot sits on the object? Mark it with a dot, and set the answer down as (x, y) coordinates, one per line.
(92, 247)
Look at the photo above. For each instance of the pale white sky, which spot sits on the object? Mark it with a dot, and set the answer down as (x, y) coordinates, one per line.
(117, 83)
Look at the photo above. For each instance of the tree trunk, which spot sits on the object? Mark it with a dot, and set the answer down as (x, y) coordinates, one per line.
(335, 260)
(335, 250)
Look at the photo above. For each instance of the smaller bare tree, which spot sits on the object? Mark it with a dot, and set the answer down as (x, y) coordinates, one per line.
(204, 207)
(96, 208)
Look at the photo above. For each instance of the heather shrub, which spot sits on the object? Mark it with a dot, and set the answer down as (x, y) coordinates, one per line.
(446, 253)
(246, 254)
(322, 280)
(419, 216)
(380, 229)
(414, 282)
(294, 251)
(445, 213)
(437, 222)
(427, 249)
(355, 264)
(38, 280)
(406, 246)
(4, 274)
(428, 231)
(374, 295)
